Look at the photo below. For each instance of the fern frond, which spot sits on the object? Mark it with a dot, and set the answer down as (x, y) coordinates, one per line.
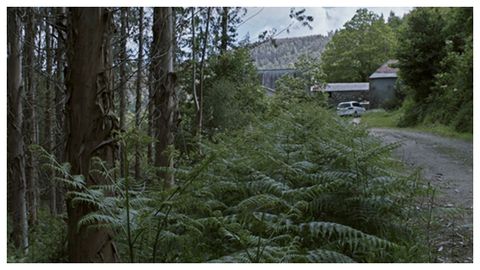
(237, 257)
(97, 219)
(377, 151)
(82, 197)
(317, 256)
(345, 234)
(209, 222)
(264, 184)
(262, 202)
(327, 256)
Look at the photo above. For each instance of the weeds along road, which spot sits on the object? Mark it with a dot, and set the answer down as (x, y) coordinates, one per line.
(448, 165)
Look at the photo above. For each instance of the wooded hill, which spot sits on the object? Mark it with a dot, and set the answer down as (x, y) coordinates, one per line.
(284, 52)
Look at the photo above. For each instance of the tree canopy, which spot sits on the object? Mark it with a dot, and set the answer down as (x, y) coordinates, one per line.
(437, 68)
(355, 51)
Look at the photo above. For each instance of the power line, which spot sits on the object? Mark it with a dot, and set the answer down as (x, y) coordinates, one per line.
(246, 20)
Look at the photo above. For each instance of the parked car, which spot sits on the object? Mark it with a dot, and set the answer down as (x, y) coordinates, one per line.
(352, 108)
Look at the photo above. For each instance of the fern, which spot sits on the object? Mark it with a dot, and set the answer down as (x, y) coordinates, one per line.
(318, 256)
(262, 201)
(299, 186)
(345, 233)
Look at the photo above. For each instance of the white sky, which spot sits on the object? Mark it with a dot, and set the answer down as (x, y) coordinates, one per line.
(325, 19)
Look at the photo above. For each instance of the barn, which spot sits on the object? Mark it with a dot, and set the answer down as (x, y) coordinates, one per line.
(340, 92)
(382, 84)
(376, 93)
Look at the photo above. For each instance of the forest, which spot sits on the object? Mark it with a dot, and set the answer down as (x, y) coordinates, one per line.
(285, 52)
(139, 134)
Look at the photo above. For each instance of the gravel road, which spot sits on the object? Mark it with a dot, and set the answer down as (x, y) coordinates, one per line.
(448, 164)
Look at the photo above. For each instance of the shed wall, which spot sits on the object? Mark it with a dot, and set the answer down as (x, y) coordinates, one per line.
(381, 90)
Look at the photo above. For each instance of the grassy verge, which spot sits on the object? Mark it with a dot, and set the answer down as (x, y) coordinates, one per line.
(386, 119)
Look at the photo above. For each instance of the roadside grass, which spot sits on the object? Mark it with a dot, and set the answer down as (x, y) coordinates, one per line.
(448, 230)
(384, 119)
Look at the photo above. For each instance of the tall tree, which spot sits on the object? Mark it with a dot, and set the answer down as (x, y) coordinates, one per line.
(224, 27)
(224, 38)
(358, 49)
(60, 100)
(437, 69)
(138, 100)
(31, 173)
(90, 125)
(202, 70)
(150, 105)
(123, 77)
(164, 96)
(48, 116)
(194, 64)
(15, 144)
(420, 52)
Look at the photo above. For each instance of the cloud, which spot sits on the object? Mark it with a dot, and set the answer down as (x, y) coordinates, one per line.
(325, 19)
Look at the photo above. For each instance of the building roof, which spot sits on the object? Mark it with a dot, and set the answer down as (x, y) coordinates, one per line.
(342, 87)
(387, 70)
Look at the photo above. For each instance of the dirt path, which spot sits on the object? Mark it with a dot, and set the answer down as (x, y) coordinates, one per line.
(448, 165)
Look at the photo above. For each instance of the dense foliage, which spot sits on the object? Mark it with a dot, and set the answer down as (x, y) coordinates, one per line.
(296, 185)
(234, 94)
(438, 68)
(294, 88)
(358, 49)
(233, 97)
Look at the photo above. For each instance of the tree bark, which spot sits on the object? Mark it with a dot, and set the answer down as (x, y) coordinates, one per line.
(202, 65)
(31, 173)
(15, 145)
(90, 125)
(60, 103)
(123, 79)
(48, 119)
(194, 71)
(150, 145)
(138, 101)
(165, 99)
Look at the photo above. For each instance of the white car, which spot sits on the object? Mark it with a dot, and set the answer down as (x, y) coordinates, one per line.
(350, 108)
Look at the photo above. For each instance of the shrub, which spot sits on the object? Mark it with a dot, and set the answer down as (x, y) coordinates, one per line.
(302, 186)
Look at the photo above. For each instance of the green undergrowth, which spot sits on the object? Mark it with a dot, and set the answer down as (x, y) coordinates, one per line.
(386, 119)
(47, 240)
(296, 185)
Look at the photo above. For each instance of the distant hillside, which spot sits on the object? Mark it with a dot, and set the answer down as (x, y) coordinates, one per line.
(287, 50)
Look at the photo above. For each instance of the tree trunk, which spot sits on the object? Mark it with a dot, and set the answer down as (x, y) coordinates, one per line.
(224, 38)
(31, 173)
(48, 120)
(59, 104)
(15, 150)
(150, 113)
(194, 71)
(165, 100)
(202, 65)
(138, 101)
(123, 80)
(90, 125)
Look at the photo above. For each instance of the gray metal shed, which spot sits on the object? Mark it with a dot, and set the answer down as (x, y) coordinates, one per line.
(341, 92)
(382, 84)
